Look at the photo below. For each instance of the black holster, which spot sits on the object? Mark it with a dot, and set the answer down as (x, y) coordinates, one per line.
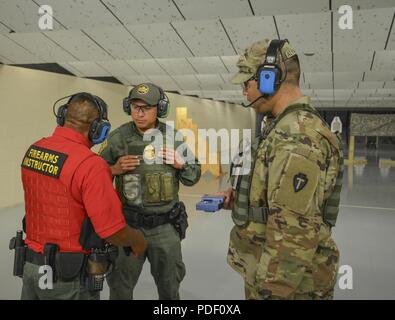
(100, 262)
(50, 253)
(179, 219)
(69, 265)
(18, 244)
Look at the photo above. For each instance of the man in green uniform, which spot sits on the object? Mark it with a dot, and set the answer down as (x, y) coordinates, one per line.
(285, 207)
(147, 180)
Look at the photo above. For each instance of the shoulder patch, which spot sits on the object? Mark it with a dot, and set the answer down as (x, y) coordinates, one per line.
(44, 161)
(296, 186)
(300, 181)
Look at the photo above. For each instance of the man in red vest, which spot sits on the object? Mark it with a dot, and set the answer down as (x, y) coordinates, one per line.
(69, 198)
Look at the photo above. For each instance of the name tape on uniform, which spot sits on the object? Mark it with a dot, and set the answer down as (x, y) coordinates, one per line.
(44, 161)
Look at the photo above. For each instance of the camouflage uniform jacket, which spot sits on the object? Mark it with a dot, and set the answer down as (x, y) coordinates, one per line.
(295, 170)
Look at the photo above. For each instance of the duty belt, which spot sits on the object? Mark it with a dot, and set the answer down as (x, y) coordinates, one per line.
(35, 257)
(258, 214)
(139, 220)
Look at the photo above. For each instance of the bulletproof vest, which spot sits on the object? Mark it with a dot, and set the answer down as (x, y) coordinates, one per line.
(53, 215)
(332, 203)
(241, 184)
(151, 188)
(242, 213)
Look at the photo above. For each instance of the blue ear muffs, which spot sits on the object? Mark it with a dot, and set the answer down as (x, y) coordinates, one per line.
(99, 131)
(268, 80)
(269, 75)
(99, 128)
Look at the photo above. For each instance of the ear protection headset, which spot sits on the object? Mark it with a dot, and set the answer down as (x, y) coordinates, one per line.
(163, 104)
(269, 74)
(99, 128)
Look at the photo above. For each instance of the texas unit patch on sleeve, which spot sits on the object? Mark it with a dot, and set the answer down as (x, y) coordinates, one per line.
(300, 181)
(44, 161)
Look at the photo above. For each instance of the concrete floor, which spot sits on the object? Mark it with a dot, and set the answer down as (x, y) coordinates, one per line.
(364, 233)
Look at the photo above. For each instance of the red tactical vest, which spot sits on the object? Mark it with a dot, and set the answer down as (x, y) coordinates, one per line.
(53, 215)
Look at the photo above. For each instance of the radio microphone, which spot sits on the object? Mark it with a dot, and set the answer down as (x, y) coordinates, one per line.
(260, 97)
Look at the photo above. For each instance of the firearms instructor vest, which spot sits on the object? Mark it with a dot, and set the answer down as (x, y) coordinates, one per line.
(53, 215)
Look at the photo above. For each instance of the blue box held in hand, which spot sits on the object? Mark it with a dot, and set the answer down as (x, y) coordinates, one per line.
(210, 203)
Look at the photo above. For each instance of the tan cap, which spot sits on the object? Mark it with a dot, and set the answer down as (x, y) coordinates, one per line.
(253, 57)
(147, 92)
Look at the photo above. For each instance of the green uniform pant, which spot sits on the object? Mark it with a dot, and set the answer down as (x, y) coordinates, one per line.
(72, 290)
(167, 268)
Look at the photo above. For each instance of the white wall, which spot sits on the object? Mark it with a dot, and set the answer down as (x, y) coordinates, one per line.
(26, 99)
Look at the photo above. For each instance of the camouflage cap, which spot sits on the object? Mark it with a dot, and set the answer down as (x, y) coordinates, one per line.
(253, 57)
(147, 92)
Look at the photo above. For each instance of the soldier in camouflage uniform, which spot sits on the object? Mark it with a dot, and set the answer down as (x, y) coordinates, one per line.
(285, 208)
(149, 192)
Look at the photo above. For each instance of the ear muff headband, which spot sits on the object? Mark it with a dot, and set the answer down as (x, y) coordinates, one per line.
(163, 104)
(126, 105)
(100, 127)
(269, 74)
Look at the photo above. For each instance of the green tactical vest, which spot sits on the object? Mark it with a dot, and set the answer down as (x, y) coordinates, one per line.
(150, 188)
(243, 214)
(332, 203)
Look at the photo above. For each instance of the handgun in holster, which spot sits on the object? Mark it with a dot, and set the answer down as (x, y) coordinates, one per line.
(18, 244)
(50, 252)
(100, 264)
(101, 259)
(179, 218)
